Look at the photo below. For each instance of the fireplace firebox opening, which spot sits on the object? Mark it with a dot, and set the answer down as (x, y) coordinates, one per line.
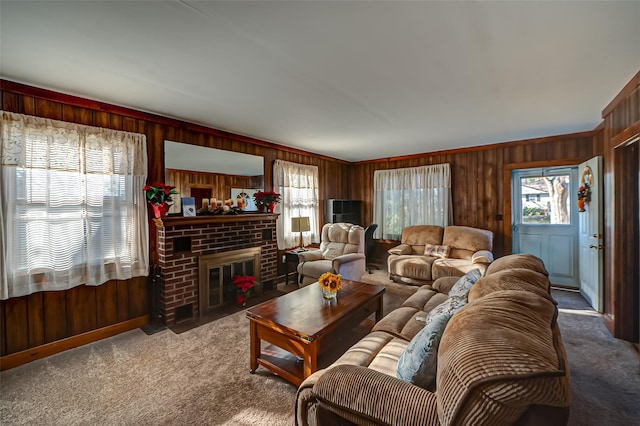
(216, 276)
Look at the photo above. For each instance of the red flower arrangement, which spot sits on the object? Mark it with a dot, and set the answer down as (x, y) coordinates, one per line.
(266, 199)
(159, 196)
(244, 284)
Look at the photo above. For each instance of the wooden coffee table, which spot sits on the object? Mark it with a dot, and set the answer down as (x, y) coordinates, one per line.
(303, 327)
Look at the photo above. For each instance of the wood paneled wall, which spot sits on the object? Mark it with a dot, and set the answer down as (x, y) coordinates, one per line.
(50, 319)
(621, 137)
(478, 177)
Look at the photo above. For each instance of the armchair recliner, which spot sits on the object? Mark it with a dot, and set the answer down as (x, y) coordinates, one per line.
(341, 251)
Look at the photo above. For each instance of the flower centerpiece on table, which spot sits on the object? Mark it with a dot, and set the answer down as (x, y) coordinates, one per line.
(330, 284)
(159, 196)
(266, 199)
(244, 285)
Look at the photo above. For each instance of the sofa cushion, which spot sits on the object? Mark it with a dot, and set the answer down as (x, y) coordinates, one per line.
(378, 350)
(512, 279)
(425, 299)
(453, 267)
(341, 238)
(464, 240)
(419, 235)
(436, 251)
(411, 266)
(418, 363)
(444, 284)
(499, 355)
(463, 285)
(401, 249)
(520, 260)
(404, 323)
(314, 269)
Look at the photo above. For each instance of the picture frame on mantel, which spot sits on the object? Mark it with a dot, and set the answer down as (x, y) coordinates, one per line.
(188, 206)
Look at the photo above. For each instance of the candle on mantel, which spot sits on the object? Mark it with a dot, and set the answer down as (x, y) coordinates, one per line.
(213, 203)
(205, 204)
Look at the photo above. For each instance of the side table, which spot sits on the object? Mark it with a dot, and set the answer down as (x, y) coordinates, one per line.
(291, 259)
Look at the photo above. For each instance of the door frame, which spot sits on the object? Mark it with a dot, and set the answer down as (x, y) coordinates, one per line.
(507, 221)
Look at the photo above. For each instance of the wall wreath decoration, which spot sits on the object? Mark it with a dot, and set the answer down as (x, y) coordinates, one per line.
(584, 192)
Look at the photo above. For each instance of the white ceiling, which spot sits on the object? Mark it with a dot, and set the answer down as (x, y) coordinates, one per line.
(351, 80)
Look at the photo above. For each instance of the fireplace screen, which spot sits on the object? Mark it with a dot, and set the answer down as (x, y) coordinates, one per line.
(217, 272)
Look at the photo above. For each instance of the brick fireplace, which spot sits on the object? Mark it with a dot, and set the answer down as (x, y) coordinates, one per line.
(182, 241)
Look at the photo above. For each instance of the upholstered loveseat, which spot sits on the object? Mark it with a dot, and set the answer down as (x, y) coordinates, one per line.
(428, 252)
(500, 359)
(341, 251)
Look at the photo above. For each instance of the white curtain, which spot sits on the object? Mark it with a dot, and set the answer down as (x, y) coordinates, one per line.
(298, 186)
(72, 208)
(411, 196)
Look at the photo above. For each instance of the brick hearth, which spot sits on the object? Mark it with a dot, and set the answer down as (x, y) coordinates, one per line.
(181, 241)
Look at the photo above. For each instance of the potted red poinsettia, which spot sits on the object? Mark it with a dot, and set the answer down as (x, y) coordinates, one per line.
(159, 196)
(266, 199)
(244, 284)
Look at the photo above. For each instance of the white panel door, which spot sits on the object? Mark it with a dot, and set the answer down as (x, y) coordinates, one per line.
(591, 238)
(545, 220)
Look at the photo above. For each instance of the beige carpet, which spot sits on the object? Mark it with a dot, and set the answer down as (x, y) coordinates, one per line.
(201, 377)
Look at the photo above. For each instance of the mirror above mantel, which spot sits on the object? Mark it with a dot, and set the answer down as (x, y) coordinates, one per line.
(210, 173)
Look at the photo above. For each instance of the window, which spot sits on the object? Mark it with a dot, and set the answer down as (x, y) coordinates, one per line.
(545, 199)
(298, 186)
(73, 210)
(411, 196)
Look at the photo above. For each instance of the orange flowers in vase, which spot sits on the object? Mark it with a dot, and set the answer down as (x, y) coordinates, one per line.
(330, 284)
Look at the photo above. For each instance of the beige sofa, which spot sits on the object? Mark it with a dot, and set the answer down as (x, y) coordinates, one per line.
(465, 248)
(500, 360)
(341, 251)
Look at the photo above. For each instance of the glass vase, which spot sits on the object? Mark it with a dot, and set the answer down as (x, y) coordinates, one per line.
(328, 294)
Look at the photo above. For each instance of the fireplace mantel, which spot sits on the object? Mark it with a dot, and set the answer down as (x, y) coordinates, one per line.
(222, 218)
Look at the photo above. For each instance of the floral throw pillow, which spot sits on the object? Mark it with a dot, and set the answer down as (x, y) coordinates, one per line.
(462, 287)
(418, 363)
(448, 307)
(436, 251)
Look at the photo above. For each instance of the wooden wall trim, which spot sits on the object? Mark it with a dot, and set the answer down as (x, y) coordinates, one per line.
(500, 145)
(624, 93)
(50, 95)
(627, 135)
(32, 354)
(508, 170)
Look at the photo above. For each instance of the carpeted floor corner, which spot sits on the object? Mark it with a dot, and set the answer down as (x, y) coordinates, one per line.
(201, 376)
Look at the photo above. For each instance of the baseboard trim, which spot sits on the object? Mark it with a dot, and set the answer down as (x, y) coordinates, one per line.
(23, 357)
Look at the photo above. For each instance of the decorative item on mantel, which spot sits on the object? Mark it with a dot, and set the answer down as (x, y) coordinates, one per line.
(266, 200)
(159, 196)
(330, 284)
(244, 284)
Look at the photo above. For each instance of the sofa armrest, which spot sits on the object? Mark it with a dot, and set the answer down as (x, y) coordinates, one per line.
(482, 256)
(350, 266)
(310, 255)
(346, 258)
(353, 391)
(400, 250)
